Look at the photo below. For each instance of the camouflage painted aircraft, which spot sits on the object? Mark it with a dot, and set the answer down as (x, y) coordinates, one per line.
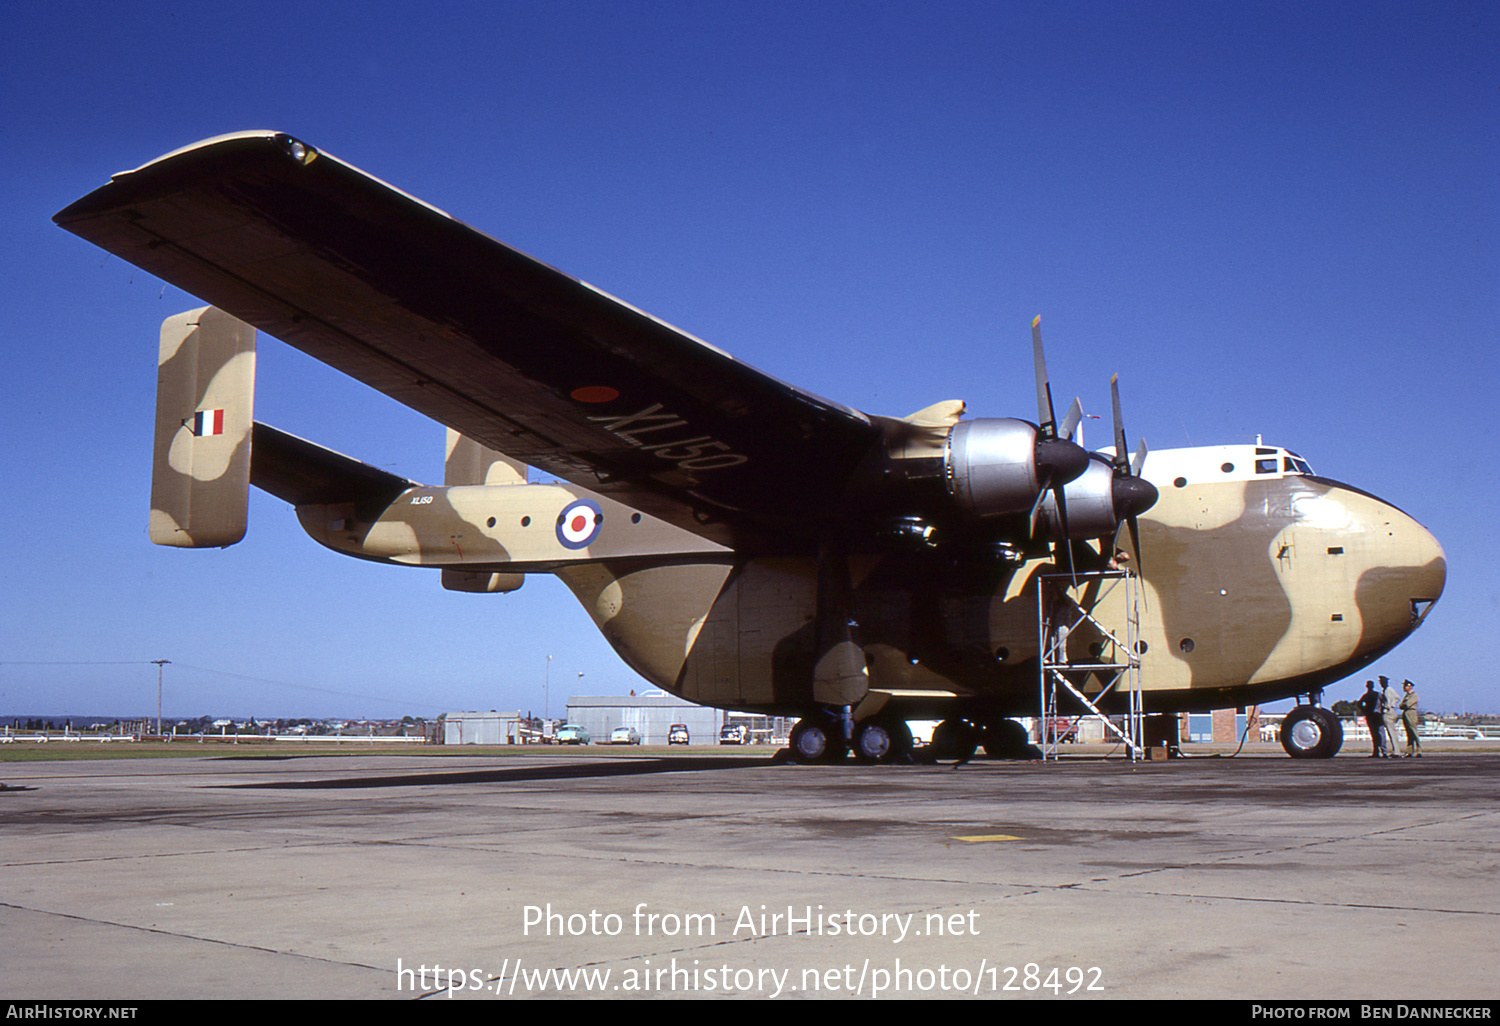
(741, 542)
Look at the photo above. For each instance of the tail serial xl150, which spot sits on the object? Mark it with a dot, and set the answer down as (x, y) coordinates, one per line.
(741, 542)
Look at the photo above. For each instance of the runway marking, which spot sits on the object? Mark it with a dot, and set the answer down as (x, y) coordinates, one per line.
(979, 838)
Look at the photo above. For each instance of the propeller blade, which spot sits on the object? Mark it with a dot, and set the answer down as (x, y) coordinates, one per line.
(1041, 496)
(1120, 443)
(1062, 520)
(1133, 494)
(1071, 420)
(1046, 418)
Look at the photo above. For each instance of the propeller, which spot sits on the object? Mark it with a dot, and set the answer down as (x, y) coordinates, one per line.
(1055, 454)
(1132, 494)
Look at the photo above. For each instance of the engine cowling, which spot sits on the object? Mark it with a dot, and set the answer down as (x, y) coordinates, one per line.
(1097, 500)
(1000, 465)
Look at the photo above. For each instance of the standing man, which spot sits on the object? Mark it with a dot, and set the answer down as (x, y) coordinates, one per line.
(1390, 709)
(1369, 708)
(1409, 719)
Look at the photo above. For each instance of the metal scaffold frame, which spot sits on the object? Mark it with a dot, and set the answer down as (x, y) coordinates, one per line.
(1061, 600)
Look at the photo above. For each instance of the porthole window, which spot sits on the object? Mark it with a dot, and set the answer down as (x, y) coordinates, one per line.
(1181, 482)
(1228, 468)
(490, 522)
(1141, 647)
(525, 521)
(1186, 644)
(1002, 654)
(635, 518)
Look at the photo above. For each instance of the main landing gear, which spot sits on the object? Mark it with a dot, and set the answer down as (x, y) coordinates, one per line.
(819, 738)
(1311, 732)
(1001, 738)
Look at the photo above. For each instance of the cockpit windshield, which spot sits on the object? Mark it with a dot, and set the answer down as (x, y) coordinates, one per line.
(1269, 461)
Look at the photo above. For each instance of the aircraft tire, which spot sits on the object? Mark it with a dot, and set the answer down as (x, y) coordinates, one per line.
(1006, 739)
(954, 739)
(872, 742)
(882, 741)
(1311, 732)
(815, 741)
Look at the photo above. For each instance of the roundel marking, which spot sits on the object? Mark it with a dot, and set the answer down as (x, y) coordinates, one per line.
(578, 523)
(594, 394)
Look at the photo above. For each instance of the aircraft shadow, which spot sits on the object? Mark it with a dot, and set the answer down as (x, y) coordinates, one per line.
(573, 771)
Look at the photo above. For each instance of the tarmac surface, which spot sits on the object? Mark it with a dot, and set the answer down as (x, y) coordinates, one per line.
(253, 872)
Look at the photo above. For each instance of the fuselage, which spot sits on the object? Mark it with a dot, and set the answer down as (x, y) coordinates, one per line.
(1258, 580)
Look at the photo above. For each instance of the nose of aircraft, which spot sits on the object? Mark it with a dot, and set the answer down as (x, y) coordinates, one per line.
(1404, 573)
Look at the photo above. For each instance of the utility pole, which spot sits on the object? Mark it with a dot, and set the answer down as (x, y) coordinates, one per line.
(159, 664)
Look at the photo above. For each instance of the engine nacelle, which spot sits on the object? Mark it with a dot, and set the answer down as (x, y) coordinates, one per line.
(996, 466)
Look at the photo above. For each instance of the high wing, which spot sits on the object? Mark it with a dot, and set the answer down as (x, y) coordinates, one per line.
(482, 338)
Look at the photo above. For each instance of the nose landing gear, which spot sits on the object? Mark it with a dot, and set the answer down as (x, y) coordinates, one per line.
(1311, 732)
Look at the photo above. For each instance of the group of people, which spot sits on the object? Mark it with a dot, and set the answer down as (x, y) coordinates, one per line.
(1382, 709)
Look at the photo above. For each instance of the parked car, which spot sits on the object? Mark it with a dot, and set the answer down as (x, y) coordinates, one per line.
(573, 734)
(734, 734)
(678, 734)
(624, 736)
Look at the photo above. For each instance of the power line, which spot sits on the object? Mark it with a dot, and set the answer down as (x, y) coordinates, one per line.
(224, 673)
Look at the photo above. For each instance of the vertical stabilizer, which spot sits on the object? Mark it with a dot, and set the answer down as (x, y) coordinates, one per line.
(205, 390)
(469, 463)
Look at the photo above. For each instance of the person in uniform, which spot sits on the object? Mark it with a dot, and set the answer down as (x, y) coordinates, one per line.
(1409, 718)
(1369, 708)
(1390, 710)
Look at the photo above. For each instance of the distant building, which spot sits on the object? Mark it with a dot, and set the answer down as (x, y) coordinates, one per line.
(479, 728)
(1222, 726)
(651, 714)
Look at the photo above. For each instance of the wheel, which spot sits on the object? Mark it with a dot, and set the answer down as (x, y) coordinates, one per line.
(872, 742)
(881, 740)
(1006, 739)
(814, 740)
(954, 739)
(1311, 732)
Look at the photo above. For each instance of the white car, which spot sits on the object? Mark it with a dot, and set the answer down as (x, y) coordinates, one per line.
(624, 736)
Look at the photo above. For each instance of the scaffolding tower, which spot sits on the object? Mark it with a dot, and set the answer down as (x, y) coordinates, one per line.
(1066, 603)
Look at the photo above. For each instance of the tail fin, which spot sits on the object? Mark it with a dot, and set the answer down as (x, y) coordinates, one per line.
(205, 393)
(469, 463)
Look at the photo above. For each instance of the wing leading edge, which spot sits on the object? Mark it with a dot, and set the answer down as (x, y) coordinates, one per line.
(481, 337)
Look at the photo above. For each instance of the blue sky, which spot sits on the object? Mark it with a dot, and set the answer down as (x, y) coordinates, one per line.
(1268, 218)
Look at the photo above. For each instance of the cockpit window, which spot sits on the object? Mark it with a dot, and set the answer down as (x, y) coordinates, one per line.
(1296, 465)
(1266, 466)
